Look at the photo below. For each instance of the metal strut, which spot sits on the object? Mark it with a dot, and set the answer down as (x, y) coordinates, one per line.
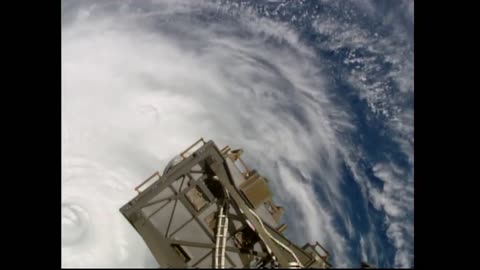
(292, 265)
(221, 240)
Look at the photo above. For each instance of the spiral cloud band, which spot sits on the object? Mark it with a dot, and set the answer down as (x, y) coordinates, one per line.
(142, 80)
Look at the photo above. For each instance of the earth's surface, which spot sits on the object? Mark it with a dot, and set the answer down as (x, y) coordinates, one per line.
(319, 94)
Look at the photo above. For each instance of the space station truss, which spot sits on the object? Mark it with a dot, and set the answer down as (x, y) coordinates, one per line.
(209, 210)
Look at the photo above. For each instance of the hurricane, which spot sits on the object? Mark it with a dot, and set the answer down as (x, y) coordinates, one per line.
(319, 94)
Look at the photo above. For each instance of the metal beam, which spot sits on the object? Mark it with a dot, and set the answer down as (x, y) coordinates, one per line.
(221, 172)
(174, 207)
(212, 246)
(211, 161)
(165, 180)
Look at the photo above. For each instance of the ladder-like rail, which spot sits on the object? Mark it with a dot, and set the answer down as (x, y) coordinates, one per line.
(221, 240)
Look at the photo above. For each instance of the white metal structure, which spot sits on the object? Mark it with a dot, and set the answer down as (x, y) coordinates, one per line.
(298, 263)
(221, 239)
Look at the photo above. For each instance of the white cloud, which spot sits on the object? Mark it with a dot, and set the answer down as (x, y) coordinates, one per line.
(396, 196)
(396, 199)
(363, 248)
(370, 53)
(135, 93)
(138, 87)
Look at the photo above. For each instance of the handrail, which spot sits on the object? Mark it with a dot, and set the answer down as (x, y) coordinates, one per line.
(221, 240)
(137, 189)
(247, 170)
(225, 150)
(324, 249)
(193, 145)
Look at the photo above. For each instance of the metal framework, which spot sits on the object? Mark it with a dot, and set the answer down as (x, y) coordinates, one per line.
(205, 212)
